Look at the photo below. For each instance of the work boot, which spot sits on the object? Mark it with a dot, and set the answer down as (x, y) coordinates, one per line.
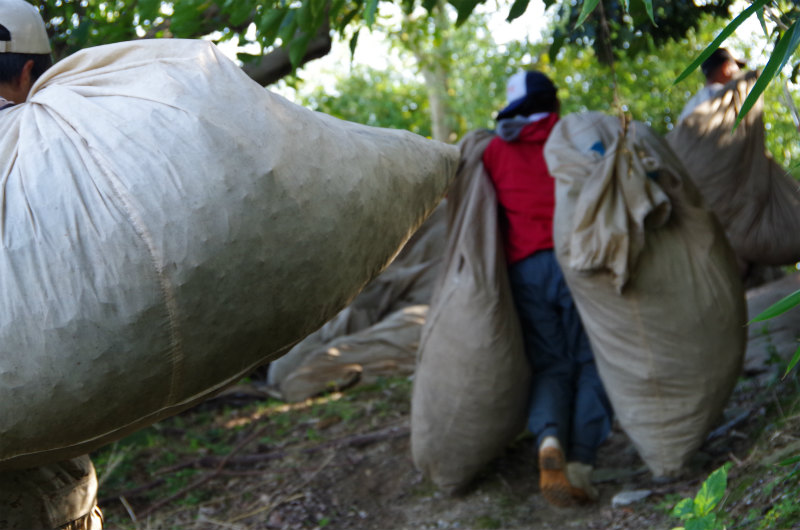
(580, 477)
(553, 481)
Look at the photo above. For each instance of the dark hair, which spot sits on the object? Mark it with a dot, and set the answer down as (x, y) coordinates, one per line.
(11, 65)
(535, 103)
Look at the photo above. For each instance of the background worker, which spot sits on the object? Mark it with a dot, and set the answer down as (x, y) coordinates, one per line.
(63, 494)
(569, 412)
(718, 69)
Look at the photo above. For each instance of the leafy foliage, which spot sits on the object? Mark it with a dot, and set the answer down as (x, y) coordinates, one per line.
(616, 28)
(778, 308)
(75, 24)
(701, 512)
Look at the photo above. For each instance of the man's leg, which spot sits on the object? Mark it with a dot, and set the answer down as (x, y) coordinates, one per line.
(545, 346)
(534, 285)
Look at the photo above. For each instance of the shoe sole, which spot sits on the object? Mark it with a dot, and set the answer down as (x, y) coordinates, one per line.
(553, 481)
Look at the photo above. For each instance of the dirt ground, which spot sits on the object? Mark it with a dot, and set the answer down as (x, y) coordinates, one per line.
(343, 462)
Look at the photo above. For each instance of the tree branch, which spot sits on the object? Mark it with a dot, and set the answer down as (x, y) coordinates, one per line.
(276, 64)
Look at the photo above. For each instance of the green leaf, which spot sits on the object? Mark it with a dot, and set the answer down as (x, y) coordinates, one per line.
(791, 461)
(648, 5)
(793, 362)
(711, 492)
(297, 49)
(724, 34)
(369, 12)
(559, 38)
(707, 522)
(270, 23)
(517, 9)
(241, 12)
(683, 509)
(464, 9)
(428, 5)
(353, 43)
(288, 27)
(586, 10)
(777, 60)
(304, 17)
(778, 308)
(149, 9)
(762, 21)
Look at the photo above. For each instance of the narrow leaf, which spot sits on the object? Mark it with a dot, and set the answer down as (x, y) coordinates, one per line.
(648, 5)
(791, 461)
(793, 362)
(559, 38)
(724, 34)
(586, 10)
(777, 60)
(353, 43)
(369, 12)
(760, 15)
(779, 307)
(297, 49)
(517, 9)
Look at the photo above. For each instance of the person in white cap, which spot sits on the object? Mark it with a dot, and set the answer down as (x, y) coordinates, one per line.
(569, 412)
(56, 495)
(24, 50)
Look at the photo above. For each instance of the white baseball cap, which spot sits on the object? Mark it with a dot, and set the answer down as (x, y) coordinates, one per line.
(26, 31)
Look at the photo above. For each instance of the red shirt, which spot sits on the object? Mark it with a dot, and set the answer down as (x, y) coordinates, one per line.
(525, 189)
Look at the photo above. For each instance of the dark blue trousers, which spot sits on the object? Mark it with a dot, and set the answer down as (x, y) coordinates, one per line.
(567, 397)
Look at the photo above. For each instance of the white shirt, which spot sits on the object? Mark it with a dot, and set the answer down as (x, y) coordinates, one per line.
(703, 95)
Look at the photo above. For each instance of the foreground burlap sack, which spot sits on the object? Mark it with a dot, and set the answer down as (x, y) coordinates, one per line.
(377, 334)
(470, 391)
(56, 495)
(755, 199)
(654, 279)
(167, 226)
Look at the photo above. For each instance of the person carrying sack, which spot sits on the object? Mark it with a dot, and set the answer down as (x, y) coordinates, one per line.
(569, 412)
(63, 494)
(718, 69)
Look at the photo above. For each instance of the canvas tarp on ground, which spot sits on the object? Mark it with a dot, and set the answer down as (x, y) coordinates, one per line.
(377, 334)
(755, 199)
(470, 392)
(168, 225)
(654, 279)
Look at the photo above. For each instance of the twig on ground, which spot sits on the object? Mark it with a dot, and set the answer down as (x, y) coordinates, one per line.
(128, 508)
(208, 476)
(133, 492)
(290, 496)
(357, 440)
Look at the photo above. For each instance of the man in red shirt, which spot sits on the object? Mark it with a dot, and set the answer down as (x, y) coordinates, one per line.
(569, 411)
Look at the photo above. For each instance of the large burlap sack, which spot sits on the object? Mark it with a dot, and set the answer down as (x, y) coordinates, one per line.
(385, 349)
(755, 199)
(378, 333)
(470, 391)
(167, 226)
(654, 279)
